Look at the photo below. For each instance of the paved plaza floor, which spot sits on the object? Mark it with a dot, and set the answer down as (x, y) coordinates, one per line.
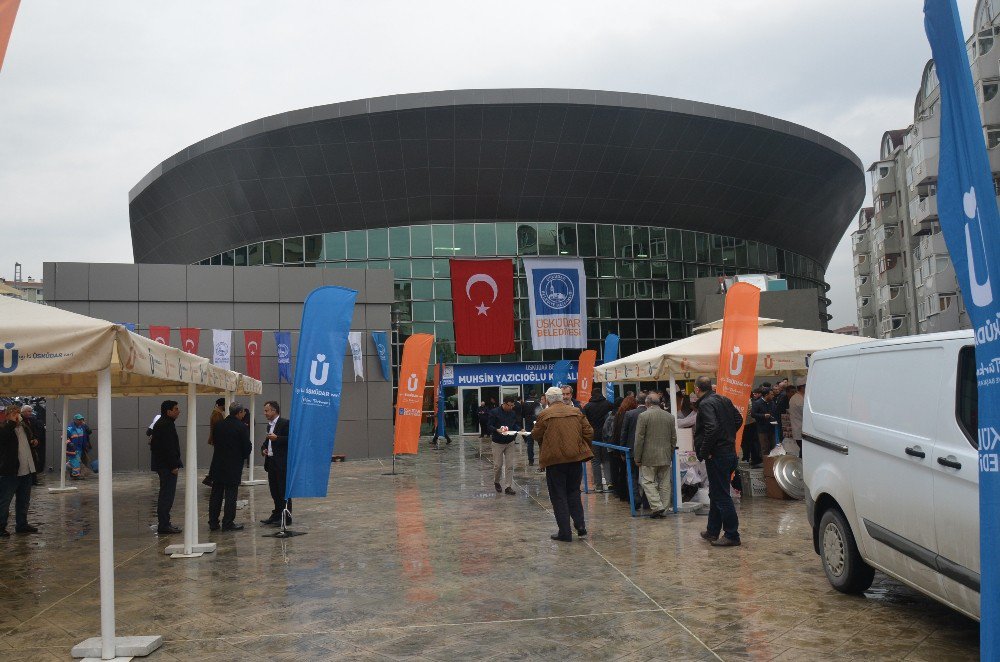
(434, 564)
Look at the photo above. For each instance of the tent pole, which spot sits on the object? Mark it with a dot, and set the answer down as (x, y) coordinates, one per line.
(106, 515)
(107, 646)
(64, 435)
(191, 548)
(677, 414)
(253, 443)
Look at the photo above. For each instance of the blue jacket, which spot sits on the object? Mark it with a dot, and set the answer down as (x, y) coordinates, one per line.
(499, 418)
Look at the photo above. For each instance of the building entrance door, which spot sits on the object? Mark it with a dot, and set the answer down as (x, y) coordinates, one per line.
(469, 398)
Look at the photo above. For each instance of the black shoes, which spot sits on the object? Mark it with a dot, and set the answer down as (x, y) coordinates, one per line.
(213, 527)
(497, 485)
(232, 527)
(509, 490)
(708, 536)
(556, 536)
(726, 542)
(582, 532)
(657, 514)
(531, 463)
(273, 519)
(170, 528)
(26, 529)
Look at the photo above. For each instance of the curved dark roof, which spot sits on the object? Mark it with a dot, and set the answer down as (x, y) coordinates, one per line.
(500, 155)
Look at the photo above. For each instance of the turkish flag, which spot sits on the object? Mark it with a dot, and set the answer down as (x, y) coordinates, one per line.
(482, 296)
(189, 339)
(160, 334)
(252, 340)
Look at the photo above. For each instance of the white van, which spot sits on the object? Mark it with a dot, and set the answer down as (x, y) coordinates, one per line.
(891, 465)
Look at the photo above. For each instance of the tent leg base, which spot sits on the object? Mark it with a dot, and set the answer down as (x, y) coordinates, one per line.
(125, 647)
(284, 534)
(253, 482)
(60, 490)
(688, 507)
(196, 549)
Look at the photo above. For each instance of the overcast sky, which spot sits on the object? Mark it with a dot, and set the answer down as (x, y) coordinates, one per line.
(95, 94)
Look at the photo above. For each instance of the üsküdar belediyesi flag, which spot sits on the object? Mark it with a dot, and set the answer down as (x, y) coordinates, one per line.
(381, 340)
(354, 341)
(482, 295)
(971, 224)
(410, 394)
(738, 348)
(557, 295)
(222, 348)
(585, 375)
(319, 373)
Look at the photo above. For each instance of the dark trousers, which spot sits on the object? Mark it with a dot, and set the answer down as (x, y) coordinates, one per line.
(165, 501)
(17, 489)
(220, 492)
(276, 484)
(751, 445)
(564, 493)
(722, 511)
(40, 457)
(529, 446)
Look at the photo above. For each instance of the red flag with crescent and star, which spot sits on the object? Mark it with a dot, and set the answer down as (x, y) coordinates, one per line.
(252, 340)
(482, 296)
(189, 339)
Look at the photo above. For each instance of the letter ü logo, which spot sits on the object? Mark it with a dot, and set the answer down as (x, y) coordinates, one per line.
(982, 293)
(768, 362)
(8, 365)
(737, 368)
(411, 382)
(319, 380)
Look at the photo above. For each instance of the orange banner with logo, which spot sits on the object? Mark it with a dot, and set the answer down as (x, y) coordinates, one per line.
(738, 351)
(410, 395)
(585, 375)
(8, 9)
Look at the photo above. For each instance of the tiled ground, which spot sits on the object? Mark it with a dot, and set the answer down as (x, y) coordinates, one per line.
(433, 564)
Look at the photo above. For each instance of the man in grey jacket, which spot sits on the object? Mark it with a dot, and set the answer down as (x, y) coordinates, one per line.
(655, 440)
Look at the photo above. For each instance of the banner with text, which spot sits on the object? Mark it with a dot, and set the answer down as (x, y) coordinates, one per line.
(319, 376)
(738, 348)
(557, 302)
(283, 349)
(585, 376)
(190, 339)
(354, 341)
(222, 348)
(381, 340)
(970, 221)
(410, 395)
(500, 374)
(252, 341)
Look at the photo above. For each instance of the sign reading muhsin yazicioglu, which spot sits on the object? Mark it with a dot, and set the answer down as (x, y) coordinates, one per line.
(319, 367)
(557, 295)
(971, 224)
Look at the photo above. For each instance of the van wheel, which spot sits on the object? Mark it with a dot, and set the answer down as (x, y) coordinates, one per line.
(842, 562)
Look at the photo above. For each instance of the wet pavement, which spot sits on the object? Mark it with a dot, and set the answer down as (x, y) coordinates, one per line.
(434, 564)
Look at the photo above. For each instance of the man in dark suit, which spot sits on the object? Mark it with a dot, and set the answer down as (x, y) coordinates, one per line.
(165, 460)
(231, 441)
(275, 451)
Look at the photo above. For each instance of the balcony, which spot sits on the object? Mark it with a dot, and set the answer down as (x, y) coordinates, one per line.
(883, 178)
(942, 282)
(932, 244)
(892, 327)
(867, 327)
(925, 161)
(864, 286)
(890, 271)
(947, 317)
(866, 307)
(885, 242)
(896, 303)
(861, 241)
(862, 268)
(923, 212)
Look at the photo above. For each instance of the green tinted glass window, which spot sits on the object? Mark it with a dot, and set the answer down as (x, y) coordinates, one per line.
(606, 288)
(688, 246)
(657, 243)
(399, 242)
(441, 268)
(423, 289)
(442, 289)
(423, 311)
(444, 239)
(506, 239)
(422, 268)
(606, 269)
(641, 269)
(215, 260)
(357, 245)
(445, 331)
(401, 268)
(273, 252)
(640, 242)
(623, 240)
(465, 240)
(605, 241)
(334, 246)
(740, 254)
(378, 243)
(586, 239)
(293, 249)
(313, 248)
(674, 244)
(228, 259)
(255, 254)
(443, 310)
(548, 239)
(659, 269)
(241, 257)
(486, 239)
(567, 239)
(420, 240)
(527, 239)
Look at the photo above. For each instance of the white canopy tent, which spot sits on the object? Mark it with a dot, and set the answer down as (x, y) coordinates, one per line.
(780, 351)
(49, 352)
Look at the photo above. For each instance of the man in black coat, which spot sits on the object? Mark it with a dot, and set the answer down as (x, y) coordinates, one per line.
(165, 460)
(36, 427)
(231, 443)
(715, 444)
(275, 451)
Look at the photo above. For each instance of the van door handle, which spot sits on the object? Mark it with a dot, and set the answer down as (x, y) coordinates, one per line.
(915, 452)
(949, 463)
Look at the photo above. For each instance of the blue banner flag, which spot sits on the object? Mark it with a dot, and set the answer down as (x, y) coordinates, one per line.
(560, 373)
(283, 342)
(610, 354)
(968, 212)
(381, 340)
(128, 325)
(319, 368)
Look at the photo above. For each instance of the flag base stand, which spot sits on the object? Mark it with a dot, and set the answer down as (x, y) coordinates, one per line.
(253, 482)
(283, 532)
(393, 472)
(125, 647)
(60, 490)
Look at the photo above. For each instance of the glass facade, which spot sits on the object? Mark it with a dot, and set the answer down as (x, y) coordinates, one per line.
(640, 279)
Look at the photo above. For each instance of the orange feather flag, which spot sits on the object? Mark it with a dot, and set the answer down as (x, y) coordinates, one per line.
(738, 350)
(8, 9)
